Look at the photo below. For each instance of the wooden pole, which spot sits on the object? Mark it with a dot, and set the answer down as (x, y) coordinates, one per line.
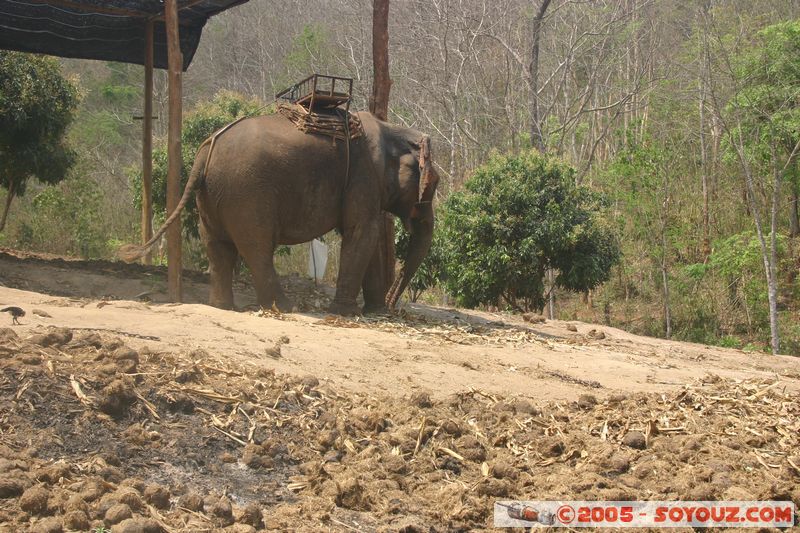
(147, 141)
(379, 106)
(175, 63)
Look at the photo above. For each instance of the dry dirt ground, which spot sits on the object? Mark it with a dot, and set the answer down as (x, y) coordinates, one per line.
(121, 412)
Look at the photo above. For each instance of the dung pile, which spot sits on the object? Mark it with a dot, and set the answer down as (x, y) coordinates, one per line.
(95, 432)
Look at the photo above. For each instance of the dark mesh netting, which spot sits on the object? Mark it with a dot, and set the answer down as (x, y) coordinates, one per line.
(93, 29)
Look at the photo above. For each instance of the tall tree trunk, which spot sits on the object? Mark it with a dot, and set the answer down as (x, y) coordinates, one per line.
(704, 178)
(537, 137)
(794, 231)
(626, 116)
(766, 255)
(772, 274)
(665, 286)
(9, 198)
(379, 106)
(664, 251)
(704, 156)
(381, 82)
(704, 161)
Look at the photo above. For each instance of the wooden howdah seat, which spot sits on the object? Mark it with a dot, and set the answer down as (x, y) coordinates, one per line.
(319, 105)
(319, 92)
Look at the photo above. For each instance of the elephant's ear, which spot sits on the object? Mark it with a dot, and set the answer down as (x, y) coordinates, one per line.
(428, 177)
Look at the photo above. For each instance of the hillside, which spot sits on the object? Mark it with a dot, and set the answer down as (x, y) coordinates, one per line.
(307, 420)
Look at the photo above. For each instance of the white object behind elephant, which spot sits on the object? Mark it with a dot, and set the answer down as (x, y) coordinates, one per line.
(317, 259)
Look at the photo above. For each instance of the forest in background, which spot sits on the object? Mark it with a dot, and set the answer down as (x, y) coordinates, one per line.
(642, 97)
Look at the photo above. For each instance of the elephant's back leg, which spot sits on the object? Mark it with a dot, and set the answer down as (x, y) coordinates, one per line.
(222, 256)
(258, 255)
(251, 221)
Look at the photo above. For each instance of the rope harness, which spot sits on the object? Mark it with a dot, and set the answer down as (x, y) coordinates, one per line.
(213, 141)
(346, 119)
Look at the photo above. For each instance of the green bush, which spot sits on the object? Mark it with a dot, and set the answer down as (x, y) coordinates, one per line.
(67, 218)
(517, 217)
(729, 342)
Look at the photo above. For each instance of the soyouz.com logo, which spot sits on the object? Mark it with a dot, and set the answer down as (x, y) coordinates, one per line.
(644, 514)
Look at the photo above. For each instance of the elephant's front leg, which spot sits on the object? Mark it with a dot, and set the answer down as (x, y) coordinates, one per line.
(380, 272)
(358, 246)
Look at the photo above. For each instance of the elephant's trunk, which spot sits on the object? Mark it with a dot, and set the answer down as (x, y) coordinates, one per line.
(420, 244)
(420, 222)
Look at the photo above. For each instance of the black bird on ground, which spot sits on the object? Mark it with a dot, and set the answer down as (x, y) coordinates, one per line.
(15, 312)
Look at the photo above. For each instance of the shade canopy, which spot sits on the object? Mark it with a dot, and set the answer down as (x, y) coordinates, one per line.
(106, 30)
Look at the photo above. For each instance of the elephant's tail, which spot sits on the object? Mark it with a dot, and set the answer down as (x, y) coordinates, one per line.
(133, 252)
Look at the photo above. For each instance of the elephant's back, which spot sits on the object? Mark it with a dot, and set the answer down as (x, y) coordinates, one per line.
(266, 165)
(275, 138)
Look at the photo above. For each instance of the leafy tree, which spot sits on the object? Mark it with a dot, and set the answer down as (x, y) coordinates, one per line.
(518, 217)
(766, 104)
(36, 106)
(198, 125)
(638, 180)
(104, 130)
(763, 124)
(308, 48)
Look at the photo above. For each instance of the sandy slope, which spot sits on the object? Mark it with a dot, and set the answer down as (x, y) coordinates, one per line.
(436, 350)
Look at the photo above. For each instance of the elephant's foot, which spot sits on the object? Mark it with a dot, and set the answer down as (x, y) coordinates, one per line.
(375, 309)
(221, 304)
(344, 309)
(274, 300)
(283, 305)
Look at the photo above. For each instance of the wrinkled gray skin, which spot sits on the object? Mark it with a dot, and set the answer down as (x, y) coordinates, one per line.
(269, 184)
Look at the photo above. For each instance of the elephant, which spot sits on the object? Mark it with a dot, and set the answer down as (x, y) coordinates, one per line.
(266, 183)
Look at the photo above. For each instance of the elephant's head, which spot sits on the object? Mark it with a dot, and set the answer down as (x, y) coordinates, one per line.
(417, 180)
